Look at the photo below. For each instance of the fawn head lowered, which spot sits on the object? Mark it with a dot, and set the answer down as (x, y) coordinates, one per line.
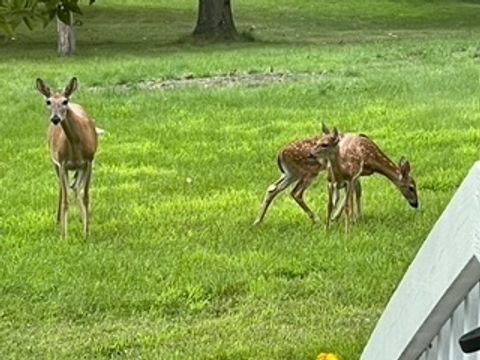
(57, 103)
(406, 184)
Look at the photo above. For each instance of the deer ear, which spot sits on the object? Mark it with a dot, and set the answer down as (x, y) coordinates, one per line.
(325, 129)
(404, 165)
(43, 88)
(71, 87)
(336, 137)
(335, 132)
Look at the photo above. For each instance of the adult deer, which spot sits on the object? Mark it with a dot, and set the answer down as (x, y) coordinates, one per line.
(297, 165)
(358, 155)
(72, 141)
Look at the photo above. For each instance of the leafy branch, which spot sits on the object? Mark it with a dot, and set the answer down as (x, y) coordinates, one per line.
(15, 12)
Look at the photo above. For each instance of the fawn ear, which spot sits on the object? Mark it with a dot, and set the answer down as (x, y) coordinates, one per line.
(404, 166)
(325, 129)
(336, 138)
(43, 88)
(71, 87)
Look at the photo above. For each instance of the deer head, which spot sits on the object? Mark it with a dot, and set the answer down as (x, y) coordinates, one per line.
(327, 145)
(406, 184)
(57, 103)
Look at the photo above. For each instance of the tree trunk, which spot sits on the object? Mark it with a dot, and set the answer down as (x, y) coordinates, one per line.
(66, 38)
(215, 19)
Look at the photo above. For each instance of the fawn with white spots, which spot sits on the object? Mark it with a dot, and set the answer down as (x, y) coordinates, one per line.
(297, 164)
(358, 156)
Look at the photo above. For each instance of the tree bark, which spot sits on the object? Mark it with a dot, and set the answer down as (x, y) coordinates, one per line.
(66, 38)
(215, 19)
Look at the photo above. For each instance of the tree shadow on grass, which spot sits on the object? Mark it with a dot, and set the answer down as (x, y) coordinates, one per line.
(127, 31)
(143, 31)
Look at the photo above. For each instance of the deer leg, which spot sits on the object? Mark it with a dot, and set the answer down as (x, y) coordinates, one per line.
(86, 198)
(356, 192)
(59, 207)
(332, 200)
(64, 200)
(273, 190)
(349, 207)
(57, 171)
(339, 208)
(358, 198)
(77, 185)
(73, 183)
(335, 194)
(345, 208)
(351, 194)
(82, 183)
(353, 188)
(297, 194)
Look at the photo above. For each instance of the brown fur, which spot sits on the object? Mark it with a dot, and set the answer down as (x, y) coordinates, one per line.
(81, 147)
(72, 141)
(297, 165)
(296, 157)
(359, 156)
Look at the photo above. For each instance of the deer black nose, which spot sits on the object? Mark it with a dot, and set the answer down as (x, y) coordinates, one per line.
(55, 119)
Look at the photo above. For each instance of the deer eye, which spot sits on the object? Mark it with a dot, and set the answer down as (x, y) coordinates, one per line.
(65, 102)
(324, 145)
(48, 102)
(411, 188)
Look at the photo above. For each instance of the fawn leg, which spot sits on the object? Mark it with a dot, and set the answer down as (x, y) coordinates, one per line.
(273, 190)
(297, 194)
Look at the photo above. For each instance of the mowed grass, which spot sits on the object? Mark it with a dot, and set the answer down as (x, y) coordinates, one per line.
(173, 268)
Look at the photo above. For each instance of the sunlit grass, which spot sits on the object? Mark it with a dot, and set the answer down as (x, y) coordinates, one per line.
(173, 268)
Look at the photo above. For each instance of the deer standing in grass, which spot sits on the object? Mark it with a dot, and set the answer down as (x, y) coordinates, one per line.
(72, 141)
(297, 164)
(357, 156)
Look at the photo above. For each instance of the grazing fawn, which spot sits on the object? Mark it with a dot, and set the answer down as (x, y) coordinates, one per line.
(359, 156)
(72, 141)
(297, 165)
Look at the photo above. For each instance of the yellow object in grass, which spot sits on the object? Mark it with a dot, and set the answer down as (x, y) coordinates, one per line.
(325, 356)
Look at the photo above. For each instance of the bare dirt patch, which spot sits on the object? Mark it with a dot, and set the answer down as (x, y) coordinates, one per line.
(228, 80)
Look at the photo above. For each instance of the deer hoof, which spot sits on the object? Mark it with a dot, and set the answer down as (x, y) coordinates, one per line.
(256, 222)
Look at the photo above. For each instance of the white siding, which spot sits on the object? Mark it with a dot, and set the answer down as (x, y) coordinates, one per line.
(465, 318)
(438, 298)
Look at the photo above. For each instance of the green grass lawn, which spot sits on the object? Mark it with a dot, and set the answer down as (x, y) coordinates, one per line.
(173, 268)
